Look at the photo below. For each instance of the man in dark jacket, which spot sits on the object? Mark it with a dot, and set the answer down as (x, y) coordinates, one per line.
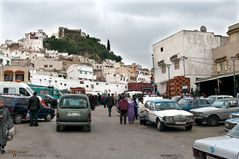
(33, 107)
(109, 103)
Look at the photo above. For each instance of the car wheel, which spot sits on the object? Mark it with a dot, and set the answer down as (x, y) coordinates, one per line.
(87, 128)
(18, 119)
(58, 128)
(160, 125)
(212, 120)
(189, 127)
(48, 117)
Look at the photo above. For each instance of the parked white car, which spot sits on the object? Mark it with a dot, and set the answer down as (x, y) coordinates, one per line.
(221, 147)
(168, 113)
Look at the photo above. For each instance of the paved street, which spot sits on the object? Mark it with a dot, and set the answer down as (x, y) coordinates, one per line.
(108, 139)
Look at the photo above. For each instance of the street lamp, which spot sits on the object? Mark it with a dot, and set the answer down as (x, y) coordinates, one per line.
(168, 66)
(233, 58)
(183, 58)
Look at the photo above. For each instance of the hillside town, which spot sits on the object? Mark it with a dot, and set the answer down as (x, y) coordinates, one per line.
(28, 61)
(56, 87)
(195, 62)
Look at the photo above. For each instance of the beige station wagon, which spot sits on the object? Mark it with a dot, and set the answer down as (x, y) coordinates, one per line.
(73, 110)
(219, 111)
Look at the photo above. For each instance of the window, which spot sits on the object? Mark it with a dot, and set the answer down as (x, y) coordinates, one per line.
(19, 77)
(221, 66)
(74, 102)
(50, 66)
(45, 66)
(9, 90)
(163, 68)
(161, 49)
(8, 77)
(24, 92)
(176, 64)
(23, 102)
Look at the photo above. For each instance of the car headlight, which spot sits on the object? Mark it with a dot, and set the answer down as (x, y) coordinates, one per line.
(226, 124)
(168, 118)
(200, 114)
(189, 118)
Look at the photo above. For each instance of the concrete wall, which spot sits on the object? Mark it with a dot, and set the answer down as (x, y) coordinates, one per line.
(51, 64)
(196, 46)
(91, 87)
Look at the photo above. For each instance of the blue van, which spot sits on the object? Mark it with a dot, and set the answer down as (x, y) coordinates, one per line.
(18, 108)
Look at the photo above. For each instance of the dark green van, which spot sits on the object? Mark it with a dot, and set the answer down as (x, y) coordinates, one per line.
(73, 110)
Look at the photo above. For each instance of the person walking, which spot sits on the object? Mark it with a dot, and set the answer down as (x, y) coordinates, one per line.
(131, 114)
(33, 107)
(6, 124)
(142, 113)
(135, 107)
(109, 103)
(123, 108)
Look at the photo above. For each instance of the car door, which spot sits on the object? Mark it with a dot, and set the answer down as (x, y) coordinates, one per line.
(151, 112)
(147, 107)
(22, 106)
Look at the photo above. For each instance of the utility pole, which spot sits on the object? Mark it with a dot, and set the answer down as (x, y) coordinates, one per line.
(169, 92)
(233, 58)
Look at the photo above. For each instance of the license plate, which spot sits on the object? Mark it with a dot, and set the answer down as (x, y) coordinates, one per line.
(73, 114)
(180, 123)
(210, 157)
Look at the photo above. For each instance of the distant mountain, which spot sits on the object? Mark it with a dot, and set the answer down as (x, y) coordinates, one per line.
(81, 45)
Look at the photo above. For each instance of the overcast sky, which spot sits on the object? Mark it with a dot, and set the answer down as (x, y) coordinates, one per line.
(132, 26)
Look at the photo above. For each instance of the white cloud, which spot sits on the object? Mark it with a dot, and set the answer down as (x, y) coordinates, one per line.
(131, 26)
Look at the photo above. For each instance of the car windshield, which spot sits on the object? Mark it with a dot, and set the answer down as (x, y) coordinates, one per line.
(29, 90)
(166, 106)
(184, 102)
(220, 103)
(176, 98)
(73, 102)
(234, 132)
(212, 99)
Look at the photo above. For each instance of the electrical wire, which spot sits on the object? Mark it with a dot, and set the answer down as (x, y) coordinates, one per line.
(199, 58)
(201, 62)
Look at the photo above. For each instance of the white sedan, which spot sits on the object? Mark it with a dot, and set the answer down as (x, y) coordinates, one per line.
(168, 113)
(221, 147)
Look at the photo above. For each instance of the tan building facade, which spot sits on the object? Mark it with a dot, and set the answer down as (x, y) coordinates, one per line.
(48, 64)
(225, 71)
(222, 56)
(14, 74)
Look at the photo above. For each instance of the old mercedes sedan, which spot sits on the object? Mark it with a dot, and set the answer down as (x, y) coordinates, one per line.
(233, 121)
(221, 147)
(219, 111)
(167, 113)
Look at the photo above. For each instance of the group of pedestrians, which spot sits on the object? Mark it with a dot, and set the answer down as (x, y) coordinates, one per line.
(131, 108)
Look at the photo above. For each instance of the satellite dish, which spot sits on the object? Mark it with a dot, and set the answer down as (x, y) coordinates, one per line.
(203, 29)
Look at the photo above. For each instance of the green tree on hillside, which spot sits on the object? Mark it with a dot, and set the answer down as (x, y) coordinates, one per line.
(87, 46)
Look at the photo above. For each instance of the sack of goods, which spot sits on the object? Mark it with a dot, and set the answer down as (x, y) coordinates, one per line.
(10, 133)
